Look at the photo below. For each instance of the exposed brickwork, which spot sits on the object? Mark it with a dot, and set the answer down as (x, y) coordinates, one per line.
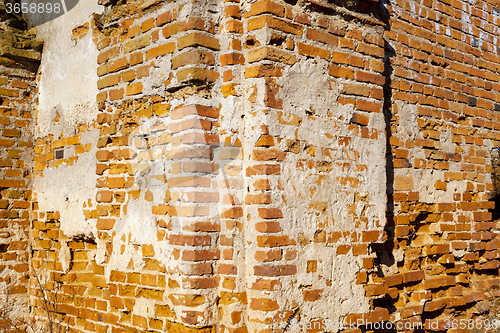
(264, 162)
(19, 60)
(445, 78)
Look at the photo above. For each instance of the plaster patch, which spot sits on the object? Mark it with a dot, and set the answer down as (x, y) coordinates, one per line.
(76, 184)
(68, 79)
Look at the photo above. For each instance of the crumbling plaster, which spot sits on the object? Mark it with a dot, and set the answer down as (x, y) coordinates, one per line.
(67, 92)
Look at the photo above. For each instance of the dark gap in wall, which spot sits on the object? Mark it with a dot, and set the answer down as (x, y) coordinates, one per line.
(495, 11)
(369, 8)
(84, 239)
(276, 40)
(3, 248)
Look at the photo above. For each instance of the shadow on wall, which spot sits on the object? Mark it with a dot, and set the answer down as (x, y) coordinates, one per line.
(38, 12)
(495, 177)
(385, 250)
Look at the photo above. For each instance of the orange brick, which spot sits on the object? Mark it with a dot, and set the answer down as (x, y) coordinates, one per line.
(340, 58)
(198, 39)
(137, 43)
(266, 256)
(201, 255)
(274, 23)
(341, 72)
(363, 105)
(105, 224)
(263, 304)
(197, 74)
(370, 78)
(116, 94)
(148, 24)
(277, 270)
(322, 37)
(164, 18)
(134, 89)
(193, 57)
(313, 51)
(370, 50)
(235, 26)
(271, 53)
(263, 71)
(108, 81)
(312, 295)
(355, 89)
(273, 241)
(117, 65)
(160, 50)
(232, 59)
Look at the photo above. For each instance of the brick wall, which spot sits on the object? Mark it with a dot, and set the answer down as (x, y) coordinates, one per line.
(259, 165)
(19, 60)
(444, 88)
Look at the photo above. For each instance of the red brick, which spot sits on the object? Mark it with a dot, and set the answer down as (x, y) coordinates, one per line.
(275, 270)
(322, 37)
(368, 106)
(160, 50)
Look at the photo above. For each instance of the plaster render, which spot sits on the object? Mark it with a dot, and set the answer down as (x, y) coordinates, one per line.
(71, 194)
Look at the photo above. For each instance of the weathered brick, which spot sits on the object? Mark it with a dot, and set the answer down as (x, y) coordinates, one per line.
(160, 50)
(137, 43)
(192, 57)
(274, 23)
(322, 37)
(313, 51)
(265, 6)
(109, 81)
(197, 74)
(271, 53)
(275, 270)
(197, 39)
(340, 72)
(263, 304)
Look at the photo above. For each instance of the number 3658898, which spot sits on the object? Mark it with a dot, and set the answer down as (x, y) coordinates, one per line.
(33, 8)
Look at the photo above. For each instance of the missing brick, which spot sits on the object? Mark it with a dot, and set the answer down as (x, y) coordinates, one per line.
(59, 154)
(84, 239)
(4, 248)
(251, 42)
(276, 40)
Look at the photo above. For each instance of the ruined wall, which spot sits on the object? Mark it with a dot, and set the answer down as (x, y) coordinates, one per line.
(443, 127)
(237, 166)
(19, 60)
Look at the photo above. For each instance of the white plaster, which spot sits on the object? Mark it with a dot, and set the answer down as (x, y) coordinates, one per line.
(68, 81)
(68, 188)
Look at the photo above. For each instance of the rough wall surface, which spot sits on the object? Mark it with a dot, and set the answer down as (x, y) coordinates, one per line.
(19, 60)
(254, 166)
